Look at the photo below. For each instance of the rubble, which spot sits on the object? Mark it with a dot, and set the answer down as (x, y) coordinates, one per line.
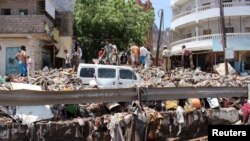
(122, 121)
(226, 116)
(66, 80)
(179, 77)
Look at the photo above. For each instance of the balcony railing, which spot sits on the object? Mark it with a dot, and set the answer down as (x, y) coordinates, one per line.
(208, 37)
(206, 7)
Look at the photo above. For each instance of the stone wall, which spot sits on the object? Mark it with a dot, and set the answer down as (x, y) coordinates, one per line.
(16, 5)
(23, 24)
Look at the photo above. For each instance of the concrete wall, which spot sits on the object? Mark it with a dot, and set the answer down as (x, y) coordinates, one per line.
(15, 5)
(23, 24)
(33, 47)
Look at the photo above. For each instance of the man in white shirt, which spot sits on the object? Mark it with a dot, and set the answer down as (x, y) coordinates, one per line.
(143, 54)
(180, 115)
(67, 59)
(80, 54)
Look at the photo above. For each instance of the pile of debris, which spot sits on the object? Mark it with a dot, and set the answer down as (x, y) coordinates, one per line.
(179, 77)
(66, 80)
(54, 80)
(122, 121)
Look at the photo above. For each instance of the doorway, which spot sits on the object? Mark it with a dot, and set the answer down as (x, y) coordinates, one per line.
(11, 62)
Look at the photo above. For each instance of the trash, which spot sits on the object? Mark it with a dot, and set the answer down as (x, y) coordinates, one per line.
(22, 86)
(112, 106)
(220, 68)
(213, 102)
(30, 114)
(71, 110)
(171, 104)
(2, 79)
(45, 68)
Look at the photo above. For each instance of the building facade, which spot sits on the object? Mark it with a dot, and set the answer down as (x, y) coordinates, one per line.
(33, 24)
(196, 24)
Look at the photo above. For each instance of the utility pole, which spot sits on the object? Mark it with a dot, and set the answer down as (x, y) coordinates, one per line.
(224, 41)
(159, 39)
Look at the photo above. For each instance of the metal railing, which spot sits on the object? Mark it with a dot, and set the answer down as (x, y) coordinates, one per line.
(25, 97)
(211, 6)
(208, 37)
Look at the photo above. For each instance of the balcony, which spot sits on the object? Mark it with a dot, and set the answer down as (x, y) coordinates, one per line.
(28, 24)
(177, 2)
(210, 11)
(208, 42)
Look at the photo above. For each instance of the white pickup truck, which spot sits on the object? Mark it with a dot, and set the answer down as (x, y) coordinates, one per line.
(107, 76)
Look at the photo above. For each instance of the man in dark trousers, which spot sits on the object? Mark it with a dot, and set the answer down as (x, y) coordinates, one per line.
(185, 57)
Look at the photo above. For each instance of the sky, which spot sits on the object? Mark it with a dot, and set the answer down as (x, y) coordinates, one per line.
(165, 5)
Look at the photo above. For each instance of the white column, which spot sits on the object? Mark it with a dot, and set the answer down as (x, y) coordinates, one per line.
(197, 31)
(197, 22)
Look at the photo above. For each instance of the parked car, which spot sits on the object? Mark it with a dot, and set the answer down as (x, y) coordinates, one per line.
(107, 76)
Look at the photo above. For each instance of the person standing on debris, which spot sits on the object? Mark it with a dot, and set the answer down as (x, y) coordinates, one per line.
(18, 58)
(135, 52)
(167, 61)
(108, 51)
(29, 64)
(148, 59)
(100, 54)
(22, 61)
(80, 54)
(123, 58)
(67, 59)
(114, 58)
(128, 56)
(185, 57)
(75, 54)
(143, 55)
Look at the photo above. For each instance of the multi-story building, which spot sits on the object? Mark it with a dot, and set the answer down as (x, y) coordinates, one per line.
(196, 24)
(36, 25)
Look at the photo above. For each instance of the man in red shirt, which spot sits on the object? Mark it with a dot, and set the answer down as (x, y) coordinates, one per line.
(185, 57)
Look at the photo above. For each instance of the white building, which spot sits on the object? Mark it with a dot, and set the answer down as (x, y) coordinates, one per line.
(196, 24)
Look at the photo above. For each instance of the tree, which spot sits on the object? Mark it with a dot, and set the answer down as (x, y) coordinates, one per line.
(121, 21)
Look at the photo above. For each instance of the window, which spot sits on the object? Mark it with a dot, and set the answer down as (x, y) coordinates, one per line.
(204, 4)
(23, 12)
(87, 72)
(106, 73)
(229, 30)
(207, 32)
(125, 74)
(5, 12)
(226, 0)
(189, 35)
(247, 29)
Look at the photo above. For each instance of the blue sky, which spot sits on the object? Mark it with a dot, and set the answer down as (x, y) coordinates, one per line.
(165, 5)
